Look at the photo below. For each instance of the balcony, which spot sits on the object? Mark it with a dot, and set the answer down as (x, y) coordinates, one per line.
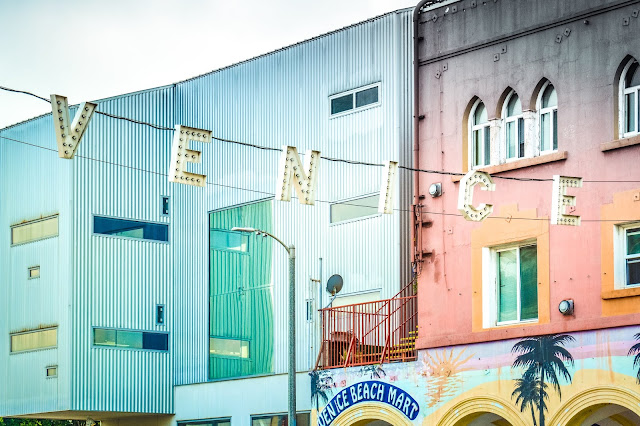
(371, 332)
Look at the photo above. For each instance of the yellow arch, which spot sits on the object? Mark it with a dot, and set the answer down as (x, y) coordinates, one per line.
(567, 413)
(483, 404)
(371, 411)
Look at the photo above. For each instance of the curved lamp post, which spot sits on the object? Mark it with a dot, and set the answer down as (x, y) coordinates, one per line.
(292, 318)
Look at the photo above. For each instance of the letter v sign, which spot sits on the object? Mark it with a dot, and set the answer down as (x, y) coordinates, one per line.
(69, 137)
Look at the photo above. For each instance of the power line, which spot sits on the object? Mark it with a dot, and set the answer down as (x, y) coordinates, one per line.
(269, 194)
(340, 160)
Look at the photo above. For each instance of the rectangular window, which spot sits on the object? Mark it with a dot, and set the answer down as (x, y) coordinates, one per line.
(130, 339)
(630, 113)
(229, 347)
(632, 256)
(355, 100)
(354, 209)
(33, 272)
(555, 129)
(221, 239)
(487, 146)
(215, 422)
(130, 229)
(545, 131)
(511, 139)
(517, 284)
(302, 419)
(52, 371)
(34, 230)
(33, 340)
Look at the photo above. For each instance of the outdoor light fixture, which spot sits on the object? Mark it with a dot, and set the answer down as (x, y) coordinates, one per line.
(435, 190)
(566, 307)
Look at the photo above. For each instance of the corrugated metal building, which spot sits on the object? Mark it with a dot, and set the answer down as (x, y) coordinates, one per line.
(100, 290)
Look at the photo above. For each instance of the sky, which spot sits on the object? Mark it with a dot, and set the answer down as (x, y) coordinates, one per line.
(89, 50)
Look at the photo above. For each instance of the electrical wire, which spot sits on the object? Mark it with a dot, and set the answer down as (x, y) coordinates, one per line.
(340, 160)
(269, 194)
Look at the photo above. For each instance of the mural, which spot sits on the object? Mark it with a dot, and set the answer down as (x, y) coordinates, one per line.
(543, 358)
(534, 378)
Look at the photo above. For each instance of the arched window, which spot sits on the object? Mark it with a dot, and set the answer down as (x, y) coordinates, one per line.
(514, 127)
(480, 136)
(548, 110)
(629, 87)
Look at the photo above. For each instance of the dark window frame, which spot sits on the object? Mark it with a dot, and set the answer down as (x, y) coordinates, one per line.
(144, 222)
(353, 94)
(144, 333)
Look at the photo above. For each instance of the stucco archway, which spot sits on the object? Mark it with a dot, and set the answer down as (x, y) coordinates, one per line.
(471, 406)
(371, 411)
(569, 413)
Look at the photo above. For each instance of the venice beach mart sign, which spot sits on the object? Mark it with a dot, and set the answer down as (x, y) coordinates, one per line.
(304, 177)
(372, 391)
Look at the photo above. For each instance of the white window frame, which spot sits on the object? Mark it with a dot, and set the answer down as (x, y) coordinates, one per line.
(506, 120)
(355, 201)
(490, 285)
(623, 91)
(541, 112)
(472, 129)
(353, 92)
(620, 256)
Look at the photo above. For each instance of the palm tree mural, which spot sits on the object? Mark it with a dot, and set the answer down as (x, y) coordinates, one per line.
(635, 349)
(527, 393)
(374, 371)
(321, 383)
(543, 359)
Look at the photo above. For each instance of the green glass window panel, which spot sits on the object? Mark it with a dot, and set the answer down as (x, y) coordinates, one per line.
(240, 294)
(555, 129)
(633, 241)
(633, 76)
(630, 113)
(511, 139)
(104, 337)
(514, 107)
(353, 209)
(528, 282)
(480, 114)
(549, 97)
(342, 104)
(129, 339)
(633, 272)
(228, 240)
(487, 145)
(367, 97)
(520, 137)
(507, 286)
(545, 131)
(229, 347)
(476, 147)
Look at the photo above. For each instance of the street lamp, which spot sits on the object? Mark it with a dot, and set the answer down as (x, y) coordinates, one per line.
(292, 318)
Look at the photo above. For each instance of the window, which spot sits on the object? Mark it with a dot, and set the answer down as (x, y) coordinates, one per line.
(130, 339)
(514, 127)
(51, 371)
(34, 230)
(164, 206)
(548, 118)
(229, 347)
(354, 209)
(130, 229)
(480, 136)
(514, 273)
(221, 239)
(355, 100)
(34, 339)
(629, 87)
(302, 419)
(33, 272)
(216, 422)
(627, 255)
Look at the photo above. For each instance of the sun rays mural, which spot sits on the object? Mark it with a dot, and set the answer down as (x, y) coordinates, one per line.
(535, 378)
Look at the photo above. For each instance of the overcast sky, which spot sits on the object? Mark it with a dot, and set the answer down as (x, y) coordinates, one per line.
(88, 50)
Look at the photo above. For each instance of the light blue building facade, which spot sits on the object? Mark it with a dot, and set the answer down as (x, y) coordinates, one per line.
(124, 297)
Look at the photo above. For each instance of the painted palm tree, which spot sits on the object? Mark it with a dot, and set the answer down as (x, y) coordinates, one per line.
(527, 393)
(374, 371)
(321, 383)
(544, 359)
(635, 349)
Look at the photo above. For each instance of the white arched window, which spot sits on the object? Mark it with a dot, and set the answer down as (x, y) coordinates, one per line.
(548, 110)
(514, 127)
(480, 150)
(629, 88)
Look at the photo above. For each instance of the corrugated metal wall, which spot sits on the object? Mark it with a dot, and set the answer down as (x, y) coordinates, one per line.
(279, 98)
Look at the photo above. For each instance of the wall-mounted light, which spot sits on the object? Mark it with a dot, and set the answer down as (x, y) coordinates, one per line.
(435, 189)
(566, 307)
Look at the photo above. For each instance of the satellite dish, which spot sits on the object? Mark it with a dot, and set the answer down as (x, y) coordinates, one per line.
(334, 285)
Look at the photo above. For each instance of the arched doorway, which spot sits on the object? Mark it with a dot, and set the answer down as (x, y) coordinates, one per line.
(372, 423)
(371, 414)
(482, 411)
(602, 406)
(483, 419)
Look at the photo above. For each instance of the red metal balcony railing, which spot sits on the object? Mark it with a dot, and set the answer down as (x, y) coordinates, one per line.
(371, 332)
